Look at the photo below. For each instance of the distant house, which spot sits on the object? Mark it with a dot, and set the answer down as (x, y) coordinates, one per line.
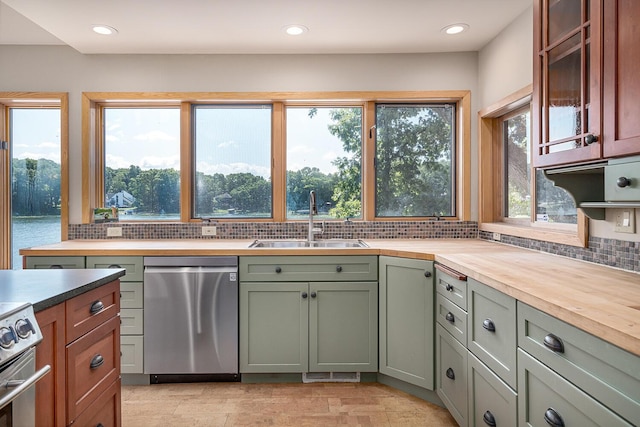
(121, 199)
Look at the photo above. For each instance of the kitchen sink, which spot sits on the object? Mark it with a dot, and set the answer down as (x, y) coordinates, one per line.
(292, 243)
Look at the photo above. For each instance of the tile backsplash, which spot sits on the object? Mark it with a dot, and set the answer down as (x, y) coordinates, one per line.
(611, 252)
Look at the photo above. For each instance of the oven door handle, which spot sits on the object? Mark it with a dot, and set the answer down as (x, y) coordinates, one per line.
(21, 388)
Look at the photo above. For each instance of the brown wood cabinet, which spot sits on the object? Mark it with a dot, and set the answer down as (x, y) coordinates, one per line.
(82, 345)
(585, 87)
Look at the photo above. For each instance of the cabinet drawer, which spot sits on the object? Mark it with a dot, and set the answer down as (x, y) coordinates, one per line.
(131, 295)
(542, 393)
(452, 288)
(452, 318)
(133, 265)
(492, 330)
(451, 374)
(132, 354)
(55, 262)
(131, 321)
(105, 411)
(609, 373)
(93, 364)
(613, 172)
(490, 398)
(88, 310)
(308, 268)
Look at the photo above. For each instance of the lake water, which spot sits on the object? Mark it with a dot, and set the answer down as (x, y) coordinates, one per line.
(32, 231)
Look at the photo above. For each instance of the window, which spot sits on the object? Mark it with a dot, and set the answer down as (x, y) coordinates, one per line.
(414, 160)
(517, 199)
(232, 161)
(142, 162)
(255, 156)
(324, 154)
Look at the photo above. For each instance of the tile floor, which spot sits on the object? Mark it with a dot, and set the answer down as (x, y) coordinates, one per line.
(237, 404)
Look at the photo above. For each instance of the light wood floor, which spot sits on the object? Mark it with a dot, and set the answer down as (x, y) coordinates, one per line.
(237, 404)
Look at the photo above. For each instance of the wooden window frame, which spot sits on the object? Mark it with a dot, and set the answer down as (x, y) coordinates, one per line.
(93, 162)
(491, 179)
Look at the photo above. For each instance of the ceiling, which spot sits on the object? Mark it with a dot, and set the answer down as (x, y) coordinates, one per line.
(255, 26)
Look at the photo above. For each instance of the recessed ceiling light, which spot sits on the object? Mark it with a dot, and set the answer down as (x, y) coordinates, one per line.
(105, 30)
(455, 28)
(295, 30)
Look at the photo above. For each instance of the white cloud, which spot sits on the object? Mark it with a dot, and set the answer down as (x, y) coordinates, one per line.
(154, 135)
(154, 162)
(228, 144)
(54, 155)
(48, 145)
(226, 169)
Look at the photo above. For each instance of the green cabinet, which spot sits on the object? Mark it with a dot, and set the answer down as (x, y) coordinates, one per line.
(36, 262)
(451, 374)
(406, 320)
(490, 400)
(293, 326)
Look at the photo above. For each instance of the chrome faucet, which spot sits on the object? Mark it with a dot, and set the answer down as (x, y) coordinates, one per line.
(313, 210)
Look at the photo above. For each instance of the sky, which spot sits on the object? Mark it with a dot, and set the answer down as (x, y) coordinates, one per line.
(35, 133)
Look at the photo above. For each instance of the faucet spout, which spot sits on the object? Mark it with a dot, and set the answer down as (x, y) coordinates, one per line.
(313, 210)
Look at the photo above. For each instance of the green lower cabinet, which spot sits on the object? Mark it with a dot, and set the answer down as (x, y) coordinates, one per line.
(406, 320)
(545, 399)
(308, 327)
(451, 374)
(491, 401)
(48, 262)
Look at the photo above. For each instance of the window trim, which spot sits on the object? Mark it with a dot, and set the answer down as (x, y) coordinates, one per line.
(93, 163)
(490, 188)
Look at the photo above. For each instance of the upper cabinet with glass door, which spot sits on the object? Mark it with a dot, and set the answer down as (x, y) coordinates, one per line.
(566, 102)
(585, 84)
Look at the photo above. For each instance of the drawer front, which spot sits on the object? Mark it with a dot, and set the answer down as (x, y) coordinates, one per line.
(88, 310)
(490, 398)
(451, 374)
(452, 318)
(609, 373)
(93, 364)
(542, 393)
(630, 192)
(131, 295)
(105, 411)
(132, 354)
(492, 330)
(131, 321)
(133, 265)
(452, 288)
(308, 268)
(55, 262)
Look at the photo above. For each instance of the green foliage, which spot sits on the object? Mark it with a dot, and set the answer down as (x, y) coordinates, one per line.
(35, 188)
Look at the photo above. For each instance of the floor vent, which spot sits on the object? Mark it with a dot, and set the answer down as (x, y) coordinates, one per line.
(331, 377)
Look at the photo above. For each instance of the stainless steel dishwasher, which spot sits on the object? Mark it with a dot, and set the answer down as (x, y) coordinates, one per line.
(191, 319)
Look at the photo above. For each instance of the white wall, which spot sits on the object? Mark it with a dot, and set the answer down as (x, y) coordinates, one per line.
(59, 68)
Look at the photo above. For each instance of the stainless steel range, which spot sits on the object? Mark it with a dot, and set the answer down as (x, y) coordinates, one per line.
(19, 335)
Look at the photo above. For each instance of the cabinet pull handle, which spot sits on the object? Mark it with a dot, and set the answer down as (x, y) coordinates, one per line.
(590, 139)
(56, 266)
(451, 272)
(489, 419)
(489, 325)
(304, 295)
(278, 270)
(339, 268)
(450, 374)
(553, 418)
(114, 266)
(449, 288)
(427, 274)
(99, 425)
(96, 362)
(450, 317)
(623, 182)
(553, 343)
(313, 295)
(96, 307)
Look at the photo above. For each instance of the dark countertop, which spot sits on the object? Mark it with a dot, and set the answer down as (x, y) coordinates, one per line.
(46, 288)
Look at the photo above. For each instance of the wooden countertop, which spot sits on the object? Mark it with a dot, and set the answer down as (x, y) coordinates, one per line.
(600, 300)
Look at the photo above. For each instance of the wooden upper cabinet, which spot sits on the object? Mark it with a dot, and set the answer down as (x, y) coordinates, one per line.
(567, 81)
(621, 106)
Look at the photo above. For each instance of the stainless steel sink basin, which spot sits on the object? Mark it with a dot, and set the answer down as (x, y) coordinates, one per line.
(292, 243)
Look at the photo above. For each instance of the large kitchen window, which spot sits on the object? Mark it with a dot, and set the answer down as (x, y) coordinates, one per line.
(256, 156)
(516, 198)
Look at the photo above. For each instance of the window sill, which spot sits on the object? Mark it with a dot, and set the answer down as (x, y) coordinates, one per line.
(571, 238)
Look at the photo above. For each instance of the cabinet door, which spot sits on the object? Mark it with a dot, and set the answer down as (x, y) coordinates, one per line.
(621, 85)
(567, 91)
(55, 262)
(406, 320)
(132, 264)
(343, 327)
(491, 401)
(274, 321)
(451, 374)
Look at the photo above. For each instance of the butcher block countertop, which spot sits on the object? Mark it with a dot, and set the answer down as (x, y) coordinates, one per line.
(600, 300)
